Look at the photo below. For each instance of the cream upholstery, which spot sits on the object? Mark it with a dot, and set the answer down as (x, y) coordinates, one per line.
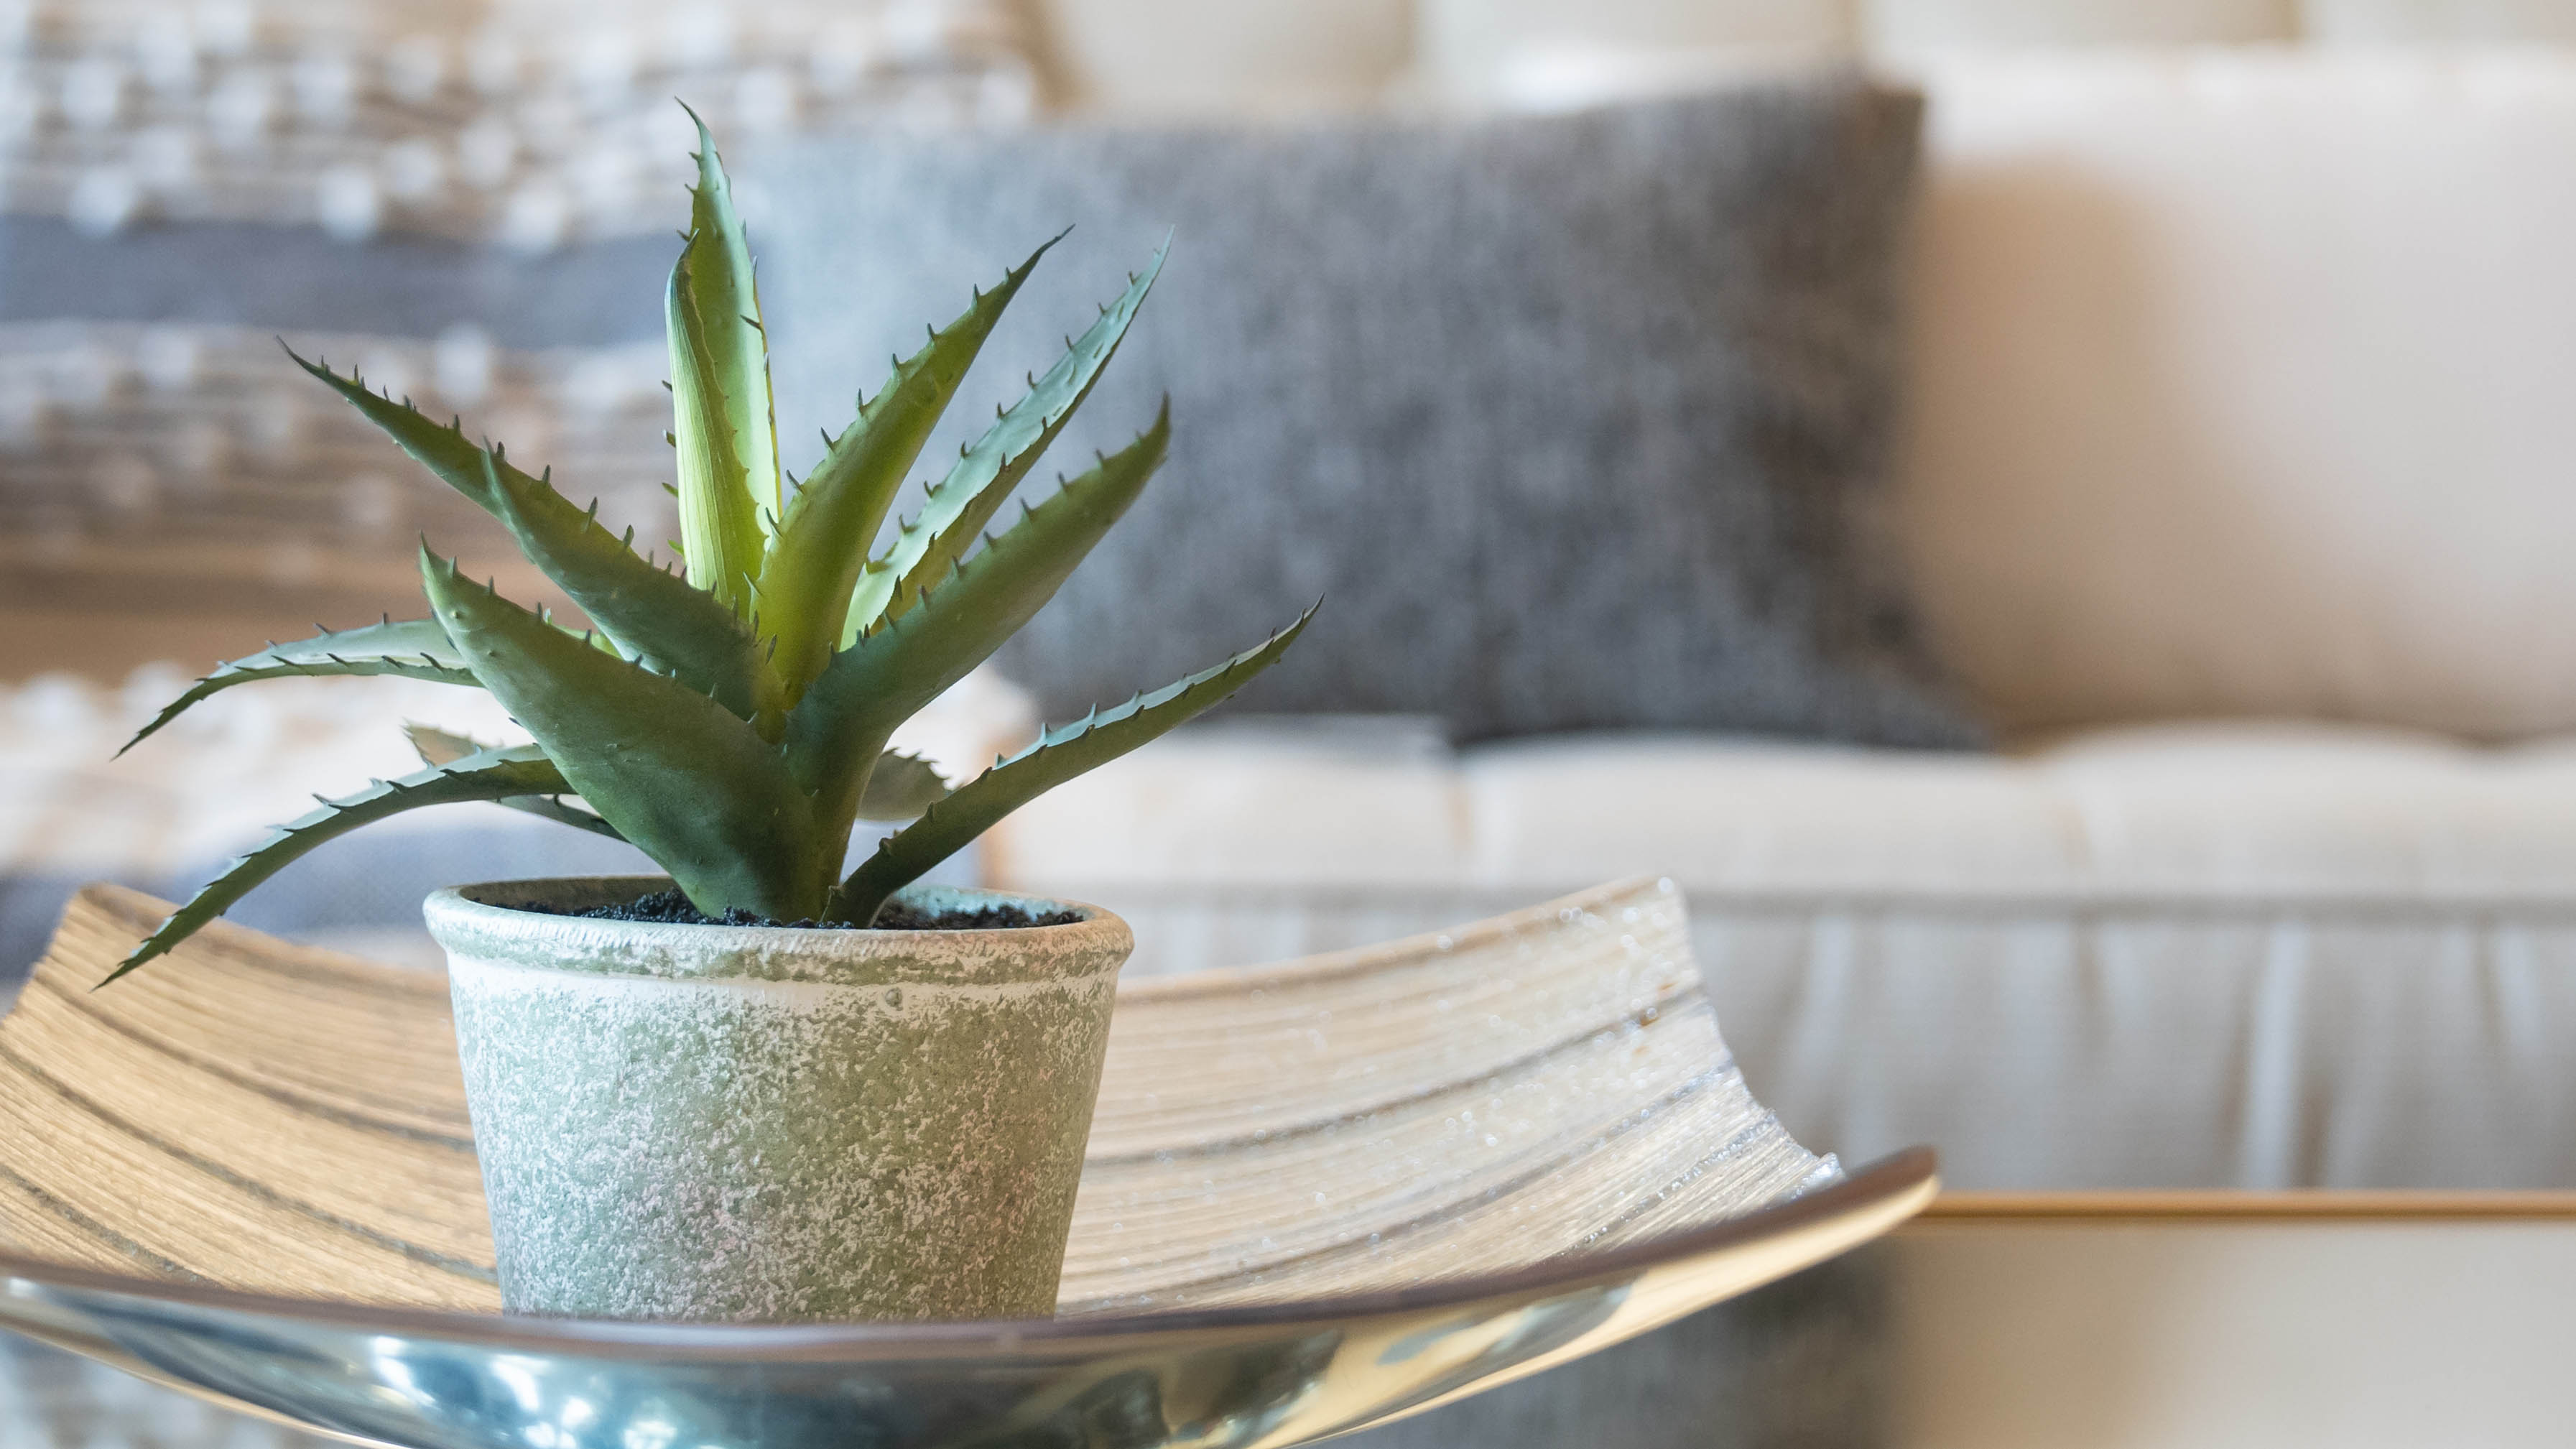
(1479, 49)
(2440, 22)
(2200, 956)
(1183, 57)
(2242, 387)
(1900, 25)
(1251, 803)
(1162, 57)
(2218, 811)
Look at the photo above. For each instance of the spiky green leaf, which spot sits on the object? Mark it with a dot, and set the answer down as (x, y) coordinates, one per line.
(672, 625)
(443, 450)
(491, 775)
(693, 786)
(439, 747)
(958, 508)
(720, 531)
(1059, 755)
(411, 648)
(727, 301)
(835, 732)
(900, 788)
(823, 541)
(681, 630)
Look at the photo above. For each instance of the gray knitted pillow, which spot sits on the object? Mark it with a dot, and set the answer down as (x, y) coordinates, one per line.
(1574, 422)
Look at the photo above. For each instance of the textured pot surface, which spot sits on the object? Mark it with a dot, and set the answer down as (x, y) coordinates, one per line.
(770, 1124)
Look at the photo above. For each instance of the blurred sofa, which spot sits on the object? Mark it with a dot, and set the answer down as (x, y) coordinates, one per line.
(2234, 495)
(2229, 492)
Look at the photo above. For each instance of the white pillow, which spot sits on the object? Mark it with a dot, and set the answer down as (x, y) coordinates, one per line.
(2243, 386)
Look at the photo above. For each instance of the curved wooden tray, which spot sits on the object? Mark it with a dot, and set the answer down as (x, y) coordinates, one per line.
(1318, 1195)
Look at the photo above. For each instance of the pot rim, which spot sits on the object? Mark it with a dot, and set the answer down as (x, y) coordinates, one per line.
(467, 921)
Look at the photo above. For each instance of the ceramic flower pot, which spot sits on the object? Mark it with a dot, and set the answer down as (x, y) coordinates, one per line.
(769, 1124)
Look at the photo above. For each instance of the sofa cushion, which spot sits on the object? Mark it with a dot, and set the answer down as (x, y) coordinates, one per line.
(1576, 422)
(2183, 813)
(1902, 25)
(1186, 57)
(2189, 956)
(1252, 801)
(2242, 388)
(2438, 22)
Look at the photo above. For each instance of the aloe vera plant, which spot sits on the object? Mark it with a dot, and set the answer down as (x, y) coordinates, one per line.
(731, 720)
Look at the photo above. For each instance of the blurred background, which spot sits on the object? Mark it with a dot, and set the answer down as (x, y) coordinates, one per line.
(2049, 518)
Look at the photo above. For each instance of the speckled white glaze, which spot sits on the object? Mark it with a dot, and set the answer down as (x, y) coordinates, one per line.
(765, 1124)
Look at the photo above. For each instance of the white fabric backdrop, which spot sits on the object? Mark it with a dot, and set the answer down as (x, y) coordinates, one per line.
(2241, 387)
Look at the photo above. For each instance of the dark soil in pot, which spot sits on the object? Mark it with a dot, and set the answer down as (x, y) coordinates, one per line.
(671, 908)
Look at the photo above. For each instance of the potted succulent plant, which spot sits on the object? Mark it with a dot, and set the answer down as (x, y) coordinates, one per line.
(761, 1089)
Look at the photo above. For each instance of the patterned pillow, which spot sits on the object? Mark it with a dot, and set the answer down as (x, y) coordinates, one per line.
(534, 122)
(194, 468)
(471, 202)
